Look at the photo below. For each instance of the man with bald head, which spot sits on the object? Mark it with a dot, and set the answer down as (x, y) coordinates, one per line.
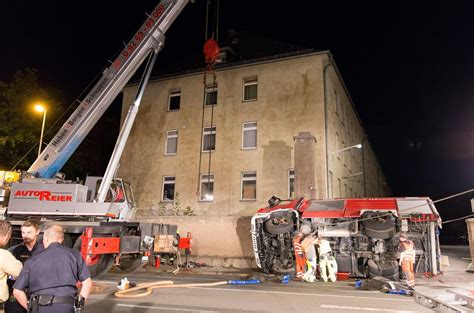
(51, 276)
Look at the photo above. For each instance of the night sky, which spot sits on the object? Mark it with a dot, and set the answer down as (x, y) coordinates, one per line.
(408, 66)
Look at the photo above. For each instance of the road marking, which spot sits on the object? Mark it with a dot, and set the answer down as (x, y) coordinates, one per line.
(305, 294)
(163, 308)
(356, 308)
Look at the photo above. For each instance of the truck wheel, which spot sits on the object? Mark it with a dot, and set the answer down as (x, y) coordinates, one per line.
(130, 263)
(388, 270)
(279, 223)
(379, 229)
(101, 263)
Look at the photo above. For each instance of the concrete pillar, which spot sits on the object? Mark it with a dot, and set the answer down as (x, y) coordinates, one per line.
(470, 234)
(305, 170)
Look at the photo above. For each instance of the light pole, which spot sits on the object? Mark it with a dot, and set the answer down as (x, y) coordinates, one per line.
(40, 108)
(358, 146)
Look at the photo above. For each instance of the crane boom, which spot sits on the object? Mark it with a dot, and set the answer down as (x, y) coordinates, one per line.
(149, 37)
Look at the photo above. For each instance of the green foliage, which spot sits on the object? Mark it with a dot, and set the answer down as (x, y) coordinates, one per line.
(20, 125)
(174, 208)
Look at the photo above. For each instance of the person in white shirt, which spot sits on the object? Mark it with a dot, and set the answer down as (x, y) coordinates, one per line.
(9, 265)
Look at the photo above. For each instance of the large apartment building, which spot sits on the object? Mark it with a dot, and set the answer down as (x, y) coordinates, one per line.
(226, 145)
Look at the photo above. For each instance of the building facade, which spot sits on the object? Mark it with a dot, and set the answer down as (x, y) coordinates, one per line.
(224, 146)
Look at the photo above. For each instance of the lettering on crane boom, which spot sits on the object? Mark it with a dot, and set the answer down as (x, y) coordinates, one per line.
(41, 195)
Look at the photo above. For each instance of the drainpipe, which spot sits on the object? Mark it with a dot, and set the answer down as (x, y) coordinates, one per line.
(326, 121)
(364, 141)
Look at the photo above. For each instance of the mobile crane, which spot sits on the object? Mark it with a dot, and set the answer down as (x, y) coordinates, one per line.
(97, 218)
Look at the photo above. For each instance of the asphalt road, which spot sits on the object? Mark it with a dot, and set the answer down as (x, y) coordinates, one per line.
(270, 296)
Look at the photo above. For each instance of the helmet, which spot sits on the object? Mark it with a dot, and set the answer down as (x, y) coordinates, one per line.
(305, 228)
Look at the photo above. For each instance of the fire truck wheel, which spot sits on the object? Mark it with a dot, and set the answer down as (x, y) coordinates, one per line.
(103, 262)
(130, 263)
(387, 270)
(279, 223)
(380, 229)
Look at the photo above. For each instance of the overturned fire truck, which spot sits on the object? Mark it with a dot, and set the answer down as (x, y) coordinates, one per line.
(363, 233)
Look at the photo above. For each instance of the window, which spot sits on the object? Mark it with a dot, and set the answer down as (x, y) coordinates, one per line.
(250, 88)
(330, 178)
(209, 139)
(171, 146)
(340, 187)
(291, 183)
(249, 185)
(174, 100)
(211, 95)
(336, 103)
(206, 187)
(168, 188)
(249, 135)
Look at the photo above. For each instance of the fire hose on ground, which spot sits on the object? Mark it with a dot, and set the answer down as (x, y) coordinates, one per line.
(145, 289)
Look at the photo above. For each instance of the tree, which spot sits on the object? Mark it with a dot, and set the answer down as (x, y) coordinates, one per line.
(20, 125)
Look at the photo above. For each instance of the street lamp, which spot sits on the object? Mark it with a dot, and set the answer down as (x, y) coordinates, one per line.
(358, 146)
(40, 108)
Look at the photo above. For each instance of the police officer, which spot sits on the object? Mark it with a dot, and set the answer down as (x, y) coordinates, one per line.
(51, 276)
(22, 252)
(8, 264)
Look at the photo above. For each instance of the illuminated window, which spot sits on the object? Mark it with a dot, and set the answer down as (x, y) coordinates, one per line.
(206, 190)
(209, 139)
(171, 146)
(249, 135)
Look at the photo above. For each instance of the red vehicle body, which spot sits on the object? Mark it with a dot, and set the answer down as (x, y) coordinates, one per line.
(363, 233)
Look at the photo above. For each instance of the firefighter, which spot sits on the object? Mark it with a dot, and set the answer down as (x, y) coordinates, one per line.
(51, 277)
(8, 264)
(300, 256)
(311, 259)
(22, 252)
(327, 262)
(407, 259)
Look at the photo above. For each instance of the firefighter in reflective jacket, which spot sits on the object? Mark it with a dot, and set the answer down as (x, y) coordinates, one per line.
(327, 262)
(300, 258)
(407, 259)
(300, 255)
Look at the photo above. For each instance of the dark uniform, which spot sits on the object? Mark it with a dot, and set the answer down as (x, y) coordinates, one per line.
(55, 271)
(21, 253)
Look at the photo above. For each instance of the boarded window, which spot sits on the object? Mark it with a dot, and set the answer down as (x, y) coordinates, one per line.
(249, 185)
